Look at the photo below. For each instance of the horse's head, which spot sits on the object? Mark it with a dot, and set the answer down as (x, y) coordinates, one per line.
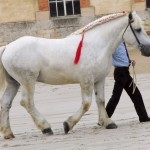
(136, 35)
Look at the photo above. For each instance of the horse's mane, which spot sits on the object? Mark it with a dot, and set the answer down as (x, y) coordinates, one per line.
(99, 21)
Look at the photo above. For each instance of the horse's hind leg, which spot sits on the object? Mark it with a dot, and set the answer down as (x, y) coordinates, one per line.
(6, 101)
(28, 103)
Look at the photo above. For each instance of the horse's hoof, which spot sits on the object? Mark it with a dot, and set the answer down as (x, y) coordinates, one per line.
(99, 124)
(66, 127)
(10, 136)
(48, 131)
(111, 126)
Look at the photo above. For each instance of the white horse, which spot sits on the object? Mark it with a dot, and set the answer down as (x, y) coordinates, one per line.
(31, 59)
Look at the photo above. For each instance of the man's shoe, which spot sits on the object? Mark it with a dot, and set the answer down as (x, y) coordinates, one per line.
(145, 119)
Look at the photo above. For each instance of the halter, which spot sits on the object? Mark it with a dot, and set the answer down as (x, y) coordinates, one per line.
(140, 45)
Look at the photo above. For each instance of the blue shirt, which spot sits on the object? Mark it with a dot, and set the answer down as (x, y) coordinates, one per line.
(120, 57)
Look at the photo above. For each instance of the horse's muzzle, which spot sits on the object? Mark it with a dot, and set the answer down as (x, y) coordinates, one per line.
(145, 49)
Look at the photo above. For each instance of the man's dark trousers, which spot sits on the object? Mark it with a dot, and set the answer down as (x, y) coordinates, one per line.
(122, 81)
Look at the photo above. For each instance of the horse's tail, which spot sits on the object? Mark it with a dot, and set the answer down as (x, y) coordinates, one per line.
(2, 70)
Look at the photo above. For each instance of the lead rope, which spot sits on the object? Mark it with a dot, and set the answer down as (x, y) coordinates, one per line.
(134, 74)
(134, 80)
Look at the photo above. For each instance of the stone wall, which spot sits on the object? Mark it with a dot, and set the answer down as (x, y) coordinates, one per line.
(17, 10)
(54, 28)
(145, 15)
(112, 6)
(33, 10)
(34, 18)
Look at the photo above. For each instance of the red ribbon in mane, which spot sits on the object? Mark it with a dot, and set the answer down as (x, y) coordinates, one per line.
(78, 52)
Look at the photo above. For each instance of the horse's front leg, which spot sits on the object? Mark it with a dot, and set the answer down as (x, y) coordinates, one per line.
(86, 91)
(100, 100)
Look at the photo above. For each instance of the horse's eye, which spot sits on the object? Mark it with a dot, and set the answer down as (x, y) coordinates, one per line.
(138, 30)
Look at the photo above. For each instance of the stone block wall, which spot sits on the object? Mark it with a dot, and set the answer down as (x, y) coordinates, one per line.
(43, 26)
(145, 15)
(57, 28)
(17, 10)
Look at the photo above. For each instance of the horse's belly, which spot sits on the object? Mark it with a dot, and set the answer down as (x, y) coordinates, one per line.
(56, 81)
(56, 78)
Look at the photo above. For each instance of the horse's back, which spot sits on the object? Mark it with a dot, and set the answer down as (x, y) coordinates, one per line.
(48, 60)
(29, 48)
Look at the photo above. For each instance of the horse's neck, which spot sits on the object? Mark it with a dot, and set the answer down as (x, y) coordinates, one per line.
(109, 35)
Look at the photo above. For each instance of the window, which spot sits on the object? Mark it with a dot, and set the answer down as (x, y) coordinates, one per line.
(64, 7)
(148, 3)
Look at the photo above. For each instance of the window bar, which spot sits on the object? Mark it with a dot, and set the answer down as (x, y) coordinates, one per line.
(64, 2)
(73, 6)
(56, 8)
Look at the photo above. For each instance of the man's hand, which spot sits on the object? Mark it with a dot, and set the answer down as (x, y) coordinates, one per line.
(133, 62)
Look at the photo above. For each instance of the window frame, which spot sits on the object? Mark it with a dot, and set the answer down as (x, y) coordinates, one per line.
(65, 8)
(148, 4)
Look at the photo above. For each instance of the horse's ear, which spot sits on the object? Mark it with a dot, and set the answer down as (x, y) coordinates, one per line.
(131, 17)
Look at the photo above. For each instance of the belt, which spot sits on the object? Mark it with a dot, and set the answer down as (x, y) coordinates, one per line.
(122, 67)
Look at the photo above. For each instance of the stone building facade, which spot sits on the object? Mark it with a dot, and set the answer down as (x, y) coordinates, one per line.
(45, 18)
